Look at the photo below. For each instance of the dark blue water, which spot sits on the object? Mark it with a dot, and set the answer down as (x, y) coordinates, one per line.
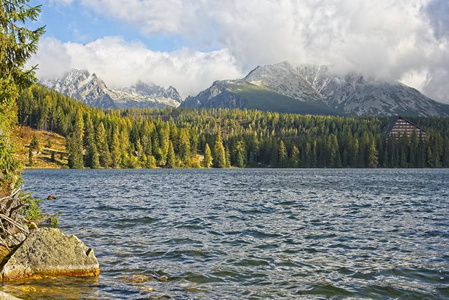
(233, 234)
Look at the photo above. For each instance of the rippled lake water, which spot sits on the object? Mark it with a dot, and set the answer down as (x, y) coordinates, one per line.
(265, 233)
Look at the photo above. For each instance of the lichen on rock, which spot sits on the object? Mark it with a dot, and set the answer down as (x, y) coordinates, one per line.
(47, 251)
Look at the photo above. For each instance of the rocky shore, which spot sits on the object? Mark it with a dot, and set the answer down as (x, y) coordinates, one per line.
(49, 252)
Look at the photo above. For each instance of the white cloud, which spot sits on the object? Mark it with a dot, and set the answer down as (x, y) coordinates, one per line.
(52, 58)
(120, 63)
(389, 39)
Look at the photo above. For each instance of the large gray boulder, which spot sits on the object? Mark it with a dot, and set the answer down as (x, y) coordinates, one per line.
(47, 251)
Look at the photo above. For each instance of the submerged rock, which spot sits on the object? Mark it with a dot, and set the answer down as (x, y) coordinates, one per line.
(47, 251)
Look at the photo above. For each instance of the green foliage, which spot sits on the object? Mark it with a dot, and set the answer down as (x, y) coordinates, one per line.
(207, 156)
(103, 148)
(150, 162)
(171, 157)
(33, 212)
(17, 44)
(34, 144)
(92, 158)
(243, 138)
(219, 152)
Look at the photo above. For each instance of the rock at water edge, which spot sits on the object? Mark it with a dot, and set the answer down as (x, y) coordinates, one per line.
(47, 251)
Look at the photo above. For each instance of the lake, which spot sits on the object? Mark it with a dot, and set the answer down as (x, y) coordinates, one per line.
(250, 233)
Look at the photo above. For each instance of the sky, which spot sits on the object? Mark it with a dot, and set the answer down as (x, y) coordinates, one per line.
(188, 44)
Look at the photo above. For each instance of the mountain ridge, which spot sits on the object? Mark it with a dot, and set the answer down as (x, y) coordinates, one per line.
(90, 89)
(349, 94)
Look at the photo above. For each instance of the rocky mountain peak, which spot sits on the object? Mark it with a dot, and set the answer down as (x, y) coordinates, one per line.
(317, 86)
(90, 89)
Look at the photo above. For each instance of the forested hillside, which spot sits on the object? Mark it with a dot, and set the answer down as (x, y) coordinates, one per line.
(172, 138)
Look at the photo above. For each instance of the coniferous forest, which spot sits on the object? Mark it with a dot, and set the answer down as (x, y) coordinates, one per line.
(184, 138)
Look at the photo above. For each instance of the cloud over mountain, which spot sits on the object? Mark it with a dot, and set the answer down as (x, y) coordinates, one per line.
(122, 63)
(399, 40)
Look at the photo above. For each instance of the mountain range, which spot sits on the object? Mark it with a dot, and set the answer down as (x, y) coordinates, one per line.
(90, 89)
(316, 90)
(282, 87)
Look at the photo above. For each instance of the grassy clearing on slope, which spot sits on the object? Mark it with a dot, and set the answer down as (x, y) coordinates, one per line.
(50, 154)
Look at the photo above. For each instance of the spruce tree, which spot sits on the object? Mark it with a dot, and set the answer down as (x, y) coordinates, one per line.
(228, 157)
(75, 151)
(92, 157)
(294, 157)
(184, 144)
(373, 159)
(17, 45)
(116, 154)
(207, 156)
(75, 143)
(240, 153)
(102, 146)
(171, 157)
(219, 153)
(445, 159)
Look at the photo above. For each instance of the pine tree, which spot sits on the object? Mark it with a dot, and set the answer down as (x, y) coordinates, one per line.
(282, 155)
(207, 156)
(102, 147)
(240, 153)
(171, 157)
(294, 157)
(373, 159)
(126, 162)
(75, 151)
(219, 153)
(164, 140)
(445, 159)
(184, 144)
(150, 162)
(335, 159)
(116, 154)
(354, 154)
(413, 150)
(75, 143)
(17, 45)
(92, 157)
(228, 157)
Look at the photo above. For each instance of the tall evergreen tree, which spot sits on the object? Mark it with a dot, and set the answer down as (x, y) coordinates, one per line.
(294, 157)
(75, 151)
(240, 153)
(17, 45)
(92, 159)
(75, 143)
(207, 156)
(102, 146)
(184, 144)
(219, 153)
(116, 153)
(373, 159)
(282, 155)
(445, 159)
(171, 157)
